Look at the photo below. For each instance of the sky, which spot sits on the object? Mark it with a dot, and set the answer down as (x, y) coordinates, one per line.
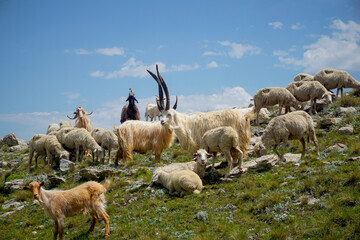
(58, 55)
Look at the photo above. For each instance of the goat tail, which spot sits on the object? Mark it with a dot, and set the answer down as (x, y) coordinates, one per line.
(108, 182)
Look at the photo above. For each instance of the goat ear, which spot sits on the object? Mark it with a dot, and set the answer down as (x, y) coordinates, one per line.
(42, 183)
(26, 188)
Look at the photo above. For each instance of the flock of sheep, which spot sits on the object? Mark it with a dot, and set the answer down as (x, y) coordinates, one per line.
(203, 134)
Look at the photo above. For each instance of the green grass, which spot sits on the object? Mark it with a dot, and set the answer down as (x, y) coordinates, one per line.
(272, 204)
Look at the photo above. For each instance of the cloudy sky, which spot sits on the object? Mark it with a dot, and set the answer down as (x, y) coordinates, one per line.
(58, 55)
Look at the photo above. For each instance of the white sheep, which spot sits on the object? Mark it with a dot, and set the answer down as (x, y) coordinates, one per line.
(304, 77)
(52, 128)
(65, 123)
(292, 126)
(179, 182)
(88, 197)
(310, 90)
(152, 111)
(78, 139)
(225, 140)
(197, 165)
(46, 145)
(264, 114)
(106, 139)
(332, 78)
(274, 95)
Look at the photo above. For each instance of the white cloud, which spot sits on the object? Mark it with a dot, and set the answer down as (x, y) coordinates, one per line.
(109, 113)
(135, 68)
(111, 51)
(238, 49)
(71, 96)
(340, 50)
(276, 25)
(81, 51)
(212, 64)
(297, 26)
(210, 53)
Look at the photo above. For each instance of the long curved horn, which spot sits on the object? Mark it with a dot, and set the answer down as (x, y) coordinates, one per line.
(159, 102)
(175, 105)
(73, 117)
(89, 113)
(163, 84)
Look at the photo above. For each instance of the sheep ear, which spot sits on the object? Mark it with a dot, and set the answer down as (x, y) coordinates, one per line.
(209, 155)
(42, 183)
(195, 155)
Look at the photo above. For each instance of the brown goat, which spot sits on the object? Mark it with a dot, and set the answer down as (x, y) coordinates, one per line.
(88, 197)
(130, 111)
(81, 120)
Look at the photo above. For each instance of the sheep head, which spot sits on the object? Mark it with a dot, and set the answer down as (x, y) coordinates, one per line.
(165, 110)
(260, 149)
(201, 157)
(34, 188)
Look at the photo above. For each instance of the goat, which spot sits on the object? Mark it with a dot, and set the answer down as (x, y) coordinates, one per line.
(81, 120)
(190, 128)
(88, 197)
(130, 111)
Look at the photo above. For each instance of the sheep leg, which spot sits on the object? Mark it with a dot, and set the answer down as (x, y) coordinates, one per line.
(314, 139)
(36, 158)
(109, 151)
(94, 220)
(280, 108)
(213, 162)
(229, 161)
(303, 143)
(30, 159)
(77, 154)
(277, 153)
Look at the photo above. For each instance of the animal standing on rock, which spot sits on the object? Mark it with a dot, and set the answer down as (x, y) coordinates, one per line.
(292, 126)
(130, 111)
(81, 120)
(332, 78)
(88, 197)
(225, 140)
(190, 128)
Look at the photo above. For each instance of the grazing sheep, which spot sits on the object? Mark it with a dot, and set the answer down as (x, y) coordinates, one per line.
(46, 145)
(179, 182)
(130, 111)
(52, 129)
(304, 77)
(37, 146)
(88, 197)
(274, 95)
(225, 140)
(81, 120)
(190, 128)
(78, 139)
(141, 136)
(292, 126)
(332, 78)
(65, 124)
(197, 165)
(152, 111)
(106, 139)
(309, 90)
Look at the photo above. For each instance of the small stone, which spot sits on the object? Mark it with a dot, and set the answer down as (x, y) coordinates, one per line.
(201, 216)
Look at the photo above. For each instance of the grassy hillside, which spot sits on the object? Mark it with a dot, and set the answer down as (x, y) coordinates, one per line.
(318, 198)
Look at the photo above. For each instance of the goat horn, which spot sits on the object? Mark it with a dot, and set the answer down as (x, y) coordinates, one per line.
(163, 84)
(160, 103)
(175, 105)
(89, 113)
(71, 118)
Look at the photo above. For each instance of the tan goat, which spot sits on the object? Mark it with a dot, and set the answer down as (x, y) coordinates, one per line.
(88, 197)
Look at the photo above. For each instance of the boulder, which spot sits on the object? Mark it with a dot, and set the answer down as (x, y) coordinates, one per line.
(89, 174)
(337, 147)
(348, 130)
(345, 110)
(328, 122)
(9, 140)
(15, 184)
(65, 165)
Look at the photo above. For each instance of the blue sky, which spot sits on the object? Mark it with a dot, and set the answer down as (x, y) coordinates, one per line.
(58, 55)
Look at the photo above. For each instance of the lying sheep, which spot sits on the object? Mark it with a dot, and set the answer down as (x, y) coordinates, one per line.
(292, 126)
(225, 140)
(46, 145)
(304, 77)
(88, 197)
(274, 95)
(78, 139)
(310, 90)
(332, 78)
(152, 111)
(179, 182)
(198, 165)
(52, 129)
(106, 139)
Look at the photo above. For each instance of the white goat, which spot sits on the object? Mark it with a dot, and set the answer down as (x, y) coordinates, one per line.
(225, 140)
(332, 78)
(310, 90)
(88, 197)
(141, 136)
(292, 126)
(190, 128)
(179, 182)
(197, 165)
(152, 111)
(274, 95)
(106, 139)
